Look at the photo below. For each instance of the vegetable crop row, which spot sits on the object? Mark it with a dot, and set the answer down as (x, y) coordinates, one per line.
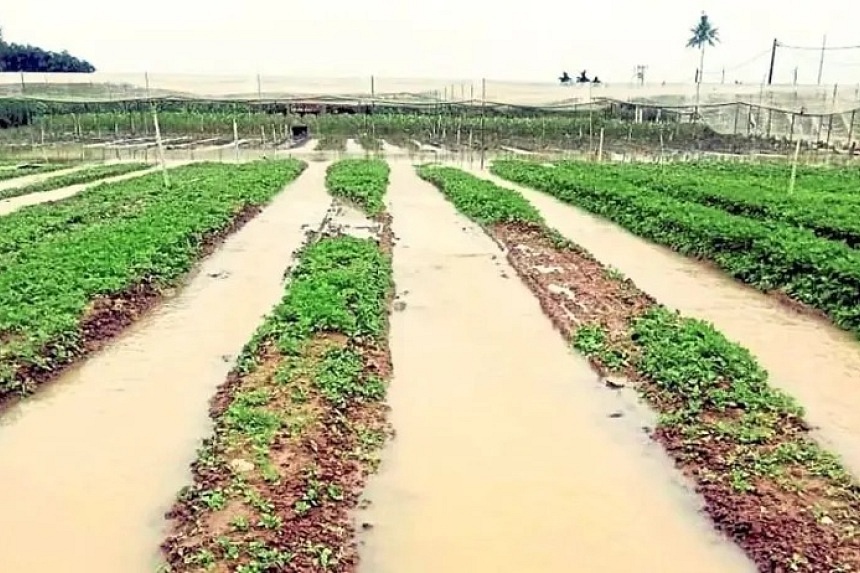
(830, 215)
(70, 278)
(298, 424)
(87, 175)
(359, 181)
(789, 504)
(768, 255)
(6, 174)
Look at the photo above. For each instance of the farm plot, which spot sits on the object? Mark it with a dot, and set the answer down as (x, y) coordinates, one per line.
(771, 256)
(498, 419)
(300, 418)
(764, 481)
(76, 273)
(87, 175)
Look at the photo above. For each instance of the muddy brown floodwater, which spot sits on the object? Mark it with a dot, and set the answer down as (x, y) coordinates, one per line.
(509, 454)
(89, 466)
(806, 356)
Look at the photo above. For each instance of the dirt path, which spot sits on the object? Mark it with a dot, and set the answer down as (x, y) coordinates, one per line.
(91, 464)
(510, 456)
(807, 357)
(13, 204)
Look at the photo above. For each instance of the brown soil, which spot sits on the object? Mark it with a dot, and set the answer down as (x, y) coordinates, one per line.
(109, 315)
(780, 519)
(325, 453)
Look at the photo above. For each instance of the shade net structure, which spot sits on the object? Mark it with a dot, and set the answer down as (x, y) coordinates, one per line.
(473, 112)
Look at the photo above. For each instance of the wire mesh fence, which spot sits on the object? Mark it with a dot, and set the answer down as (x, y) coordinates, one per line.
(92, 109)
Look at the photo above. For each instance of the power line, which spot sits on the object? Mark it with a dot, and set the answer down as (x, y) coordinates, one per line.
(818, 48)
(744, 63)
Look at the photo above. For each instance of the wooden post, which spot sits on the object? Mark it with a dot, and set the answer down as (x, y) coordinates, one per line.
(600, 147)
(661, 147)
(737, 116)
(794, 167)
(483, 105)
(160, 145)
(236, 138)
(373, 107)
(851, 128)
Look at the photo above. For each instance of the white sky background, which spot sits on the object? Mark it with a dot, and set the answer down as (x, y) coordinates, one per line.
(532, 41)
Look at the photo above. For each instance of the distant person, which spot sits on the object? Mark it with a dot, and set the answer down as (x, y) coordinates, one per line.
(565, 78)
(583, 78)
(596, 80)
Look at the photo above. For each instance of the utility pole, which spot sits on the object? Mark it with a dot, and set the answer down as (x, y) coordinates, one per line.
(640, 74)
(723, 77)
(821, 61)
(772, 62)
(795, 75)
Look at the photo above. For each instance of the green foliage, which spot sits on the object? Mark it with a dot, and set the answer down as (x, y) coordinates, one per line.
(360, 181)
(340, 378)
(825, 201)
(765, 254)
(339, 286)
(56, 259)
(87, 175)
(697, 365)
(479, 199)
(27, 58)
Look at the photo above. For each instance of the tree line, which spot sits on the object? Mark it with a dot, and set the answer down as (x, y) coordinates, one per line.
(27, 58)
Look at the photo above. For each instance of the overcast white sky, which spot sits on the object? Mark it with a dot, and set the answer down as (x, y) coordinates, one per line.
(531, 40)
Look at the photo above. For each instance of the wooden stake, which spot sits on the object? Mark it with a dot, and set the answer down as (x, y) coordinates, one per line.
(794, 167)
(160, 145)
(236, 138)
(483, 104)
(600, 147)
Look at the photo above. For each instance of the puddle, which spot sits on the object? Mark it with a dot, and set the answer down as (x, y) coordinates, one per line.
(90, 465)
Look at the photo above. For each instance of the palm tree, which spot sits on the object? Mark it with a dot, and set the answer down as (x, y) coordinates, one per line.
(704, 34)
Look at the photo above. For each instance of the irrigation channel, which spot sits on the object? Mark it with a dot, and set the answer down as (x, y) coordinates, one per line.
(806, 356)
(509, 455)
